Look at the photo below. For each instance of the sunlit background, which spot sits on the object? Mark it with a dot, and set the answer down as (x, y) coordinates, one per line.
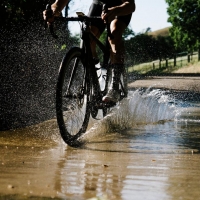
(148, 14)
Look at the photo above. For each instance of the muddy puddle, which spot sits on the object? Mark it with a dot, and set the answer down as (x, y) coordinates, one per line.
(146, 148)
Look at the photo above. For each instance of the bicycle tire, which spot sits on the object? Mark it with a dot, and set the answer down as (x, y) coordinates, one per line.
(72, 97)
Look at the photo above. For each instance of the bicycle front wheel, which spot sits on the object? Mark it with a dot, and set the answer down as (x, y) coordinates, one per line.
(72, 97)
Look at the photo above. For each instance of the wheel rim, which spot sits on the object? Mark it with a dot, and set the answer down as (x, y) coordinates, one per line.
(74, 97)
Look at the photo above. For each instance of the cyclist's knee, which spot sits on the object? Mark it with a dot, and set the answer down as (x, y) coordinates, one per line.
(117, 28)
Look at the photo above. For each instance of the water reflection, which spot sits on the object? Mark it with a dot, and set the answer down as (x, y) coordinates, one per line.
(148, 166)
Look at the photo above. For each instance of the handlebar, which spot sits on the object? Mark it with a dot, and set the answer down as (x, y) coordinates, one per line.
(78, 19)
(82, 18)
(67, 19)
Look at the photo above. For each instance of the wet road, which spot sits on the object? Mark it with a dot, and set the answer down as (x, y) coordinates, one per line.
(146, 148)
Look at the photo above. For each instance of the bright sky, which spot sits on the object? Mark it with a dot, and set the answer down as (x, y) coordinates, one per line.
(149, 13)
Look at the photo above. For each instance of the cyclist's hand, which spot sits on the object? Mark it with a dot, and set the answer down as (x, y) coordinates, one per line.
(110, 15)
(50, 13)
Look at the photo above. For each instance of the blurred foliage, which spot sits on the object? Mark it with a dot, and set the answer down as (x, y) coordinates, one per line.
(140, 47)
(143, 47)
(185, 18)
(128, 33)
(19, 15)
(20, 11)
(146, 48)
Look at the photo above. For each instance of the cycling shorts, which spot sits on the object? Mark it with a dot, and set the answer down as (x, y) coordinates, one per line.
(96, 10)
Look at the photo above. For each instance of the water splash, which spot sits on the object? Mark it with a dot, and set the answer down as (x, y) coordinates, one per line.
(140, 108)
(30, 60)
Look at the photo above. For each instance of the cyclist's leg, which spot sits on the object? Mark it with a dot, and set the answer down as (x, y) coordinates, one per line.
(117, 28)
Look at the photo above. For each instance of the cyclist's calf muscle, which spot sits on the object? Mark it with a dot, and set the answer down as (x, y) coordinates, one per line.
(117, 28)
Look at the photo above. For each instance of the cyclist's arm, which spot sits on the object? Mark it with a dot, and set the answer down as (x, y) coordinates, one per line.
(127, 7)
(57, 8)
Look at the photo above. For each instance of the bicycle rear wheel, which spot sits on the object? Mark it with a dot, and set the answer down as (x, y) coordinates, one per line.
(72, 97)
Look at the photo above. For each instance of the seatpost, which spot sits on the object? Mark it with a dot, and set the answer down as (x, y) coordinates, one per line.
(105, 10)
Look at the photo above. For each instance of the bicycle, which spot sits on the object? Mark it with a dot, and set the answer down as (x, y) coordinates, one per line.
(78, 92)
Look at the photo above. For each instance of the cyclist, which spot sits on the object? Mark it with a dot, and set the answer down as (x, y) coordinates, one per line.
(118, 17)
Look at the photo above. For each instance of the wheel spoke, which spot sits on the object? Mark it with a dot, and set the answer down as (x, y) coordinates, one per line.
(72, 97)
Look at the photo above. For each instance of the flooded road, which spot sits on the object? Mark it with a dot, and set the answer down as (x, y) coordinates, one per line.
(146, 148)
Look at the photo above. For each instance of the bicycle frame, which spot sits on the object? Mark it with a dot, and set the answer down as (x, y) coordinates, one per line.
(86, 37)
(78, 92)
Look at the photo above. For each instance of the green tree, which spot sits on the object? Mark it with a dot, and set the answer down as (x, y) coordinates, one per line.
(128, 33)
(185, 18)
(145, 48)
(164, 47)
